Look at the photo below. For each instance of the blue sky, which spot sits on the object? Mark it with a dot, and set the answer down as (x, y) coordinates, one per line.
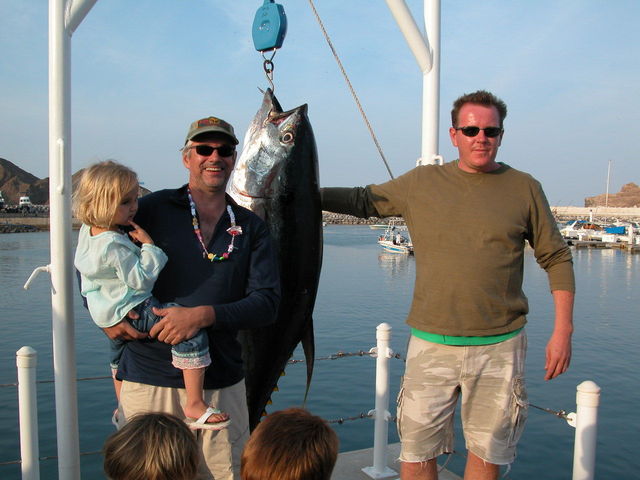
(142, 70)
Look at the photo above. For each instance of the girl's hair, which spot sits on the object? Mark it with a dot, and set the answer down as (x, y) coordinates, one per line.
(152, 446)
(99, 192)
(291, 444)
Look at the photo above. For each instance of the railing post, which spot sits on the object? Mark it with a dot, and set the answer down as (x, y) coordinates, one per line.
(381, 412)
(26, 361)
(584, 452)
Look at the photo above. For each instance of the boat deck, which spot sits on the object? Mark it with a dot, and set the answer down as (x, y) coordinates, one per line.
(350, 464)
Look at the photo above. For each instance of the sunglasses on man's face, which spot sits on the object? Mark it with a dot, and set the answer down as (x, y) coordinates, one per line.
(490, 132)
(207, 150)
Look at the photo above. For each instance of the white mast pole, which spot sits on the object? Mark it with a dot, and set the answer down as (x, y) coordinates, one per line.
(606, 200)
(426, 49)
(61, 268)
(431, 88)
(64, 353)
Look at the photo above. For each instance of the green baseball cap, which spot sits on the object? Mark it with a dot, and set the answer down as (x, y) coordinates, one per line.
(210, 124)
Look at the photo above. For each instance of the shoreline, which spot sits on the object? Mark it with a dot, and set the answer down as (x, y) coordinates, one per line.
(27, 223)
(38, 223)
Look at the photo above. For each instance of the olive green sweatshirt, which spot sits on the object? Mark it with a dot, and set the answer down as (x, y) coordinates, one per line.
(468, 232)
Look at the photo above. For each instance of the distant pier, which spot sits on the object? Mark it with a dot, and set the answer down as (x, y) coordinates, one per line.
(598, 244)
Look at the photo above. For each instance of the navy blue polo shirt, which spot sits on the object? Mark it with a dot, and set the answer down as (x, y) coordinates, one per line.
(244, 289)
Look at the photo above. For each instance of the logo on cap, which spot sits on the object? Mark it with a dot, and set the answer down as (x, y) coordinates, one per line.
(208, 121)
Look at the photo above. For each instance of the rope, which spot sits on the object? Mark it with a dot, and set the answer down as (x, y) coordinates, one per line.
(335, 356)
(558, 413)
(50, 457)
(353, 92)
(53, 381)
(341, 420)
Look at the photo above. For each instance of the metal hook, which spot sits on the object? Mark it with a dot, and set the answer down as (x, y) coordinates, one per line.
(268, 68)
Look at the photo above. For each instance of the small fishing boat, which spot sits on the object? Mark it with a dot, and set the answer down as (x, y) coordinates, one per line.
(396, 238)
(378, 226)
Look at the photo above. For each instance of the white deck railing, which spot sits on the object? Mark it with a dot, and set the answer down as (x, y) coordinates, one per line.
(585, 420)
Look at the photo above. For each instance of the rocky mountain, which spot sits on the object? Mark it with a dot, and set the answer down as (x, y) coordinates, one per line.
(15, 182)
(628, 196)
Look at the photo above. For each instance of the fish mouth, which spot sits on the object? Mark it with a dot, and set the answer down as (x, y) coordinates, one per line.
(245, 194)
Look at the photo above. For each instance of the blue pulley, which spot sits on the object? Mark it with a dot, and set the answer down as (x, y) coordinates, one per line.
(269, 26)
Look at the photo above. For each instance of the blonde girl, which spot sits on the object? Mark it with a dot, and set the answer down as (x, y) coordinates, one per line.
(117, 277)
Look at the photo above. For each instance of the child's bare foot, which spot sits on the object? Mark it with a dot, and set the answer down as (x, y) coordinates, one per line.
(204, 417)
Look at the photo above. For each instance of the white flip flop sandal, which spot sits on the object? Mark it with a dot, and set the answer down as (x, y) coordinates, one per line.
(201, 423)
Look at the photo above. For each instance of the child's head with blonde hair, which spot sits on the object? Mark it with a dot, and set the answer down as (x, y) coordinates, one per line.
(99, 192)
(152, 446)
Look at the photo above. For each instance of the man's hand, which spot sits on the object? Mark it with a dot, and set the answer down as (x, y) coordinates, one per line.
(180, 323)
(124, 331)
(558, 355)
(558, 352)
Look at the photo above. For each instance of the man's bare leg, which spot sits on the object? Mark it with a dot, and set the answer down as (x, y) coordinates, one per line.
(419, 470)
(478, 469)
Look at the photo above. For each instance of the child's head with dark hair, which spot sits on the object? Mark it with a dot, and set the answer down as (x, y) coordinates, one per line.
(290, 444)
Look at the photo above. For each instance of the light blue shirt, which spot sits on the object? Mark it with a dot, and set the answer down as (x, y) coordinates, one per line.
(115, 274)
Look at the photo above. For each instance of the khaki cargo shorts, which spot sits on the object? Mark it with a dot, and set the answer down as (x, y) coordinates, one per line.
(221, 450)
(490, 379)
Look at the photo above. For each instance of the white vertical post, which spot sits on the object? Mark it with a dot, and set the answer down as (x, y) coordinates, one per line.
(431, 88)
(584, 452)
(26, 361)
(382, 415)
(61, 268)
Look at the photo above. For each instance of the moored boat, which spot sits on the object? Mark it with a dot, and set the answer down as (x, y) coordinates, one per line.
(396, 238)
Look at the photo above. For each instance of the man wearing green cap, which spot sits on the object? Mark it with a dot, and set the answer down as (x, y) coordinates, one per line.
(222, 270)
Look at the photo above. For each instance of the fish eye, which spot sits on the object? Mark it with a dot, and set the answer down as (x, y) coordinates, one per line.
(287, 137)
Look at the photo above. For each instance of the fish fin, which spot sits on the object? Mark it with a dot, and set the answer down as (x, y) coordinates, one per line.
(308, 345)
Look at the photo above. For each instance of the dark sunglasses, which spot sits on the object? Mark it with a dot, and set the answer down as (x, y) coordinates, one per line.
(207, 150)
(490, 132)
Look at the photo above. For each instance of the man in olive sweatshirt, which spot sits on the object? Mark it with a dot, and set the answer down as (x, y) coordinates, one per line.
(468, 221)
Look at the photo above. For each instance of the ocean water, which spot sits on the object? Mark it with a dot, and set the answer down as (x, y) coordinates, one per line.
(360, 288)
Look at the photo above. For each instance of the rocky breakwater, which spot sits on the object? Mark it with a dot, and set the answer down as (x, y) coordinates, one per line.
(27, 223)
(13, 228)
(339, 219)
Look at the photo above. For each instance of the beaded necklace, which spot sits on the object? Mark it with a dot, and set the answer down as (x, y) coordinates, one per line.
(234, 230)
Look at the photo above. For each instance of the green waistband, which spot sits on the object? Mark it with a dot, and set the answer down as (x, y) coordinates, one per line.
(451, 340)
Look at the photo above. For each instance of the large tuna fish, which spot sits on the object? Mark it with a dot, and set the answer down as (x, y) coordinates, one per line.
(276, 176)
